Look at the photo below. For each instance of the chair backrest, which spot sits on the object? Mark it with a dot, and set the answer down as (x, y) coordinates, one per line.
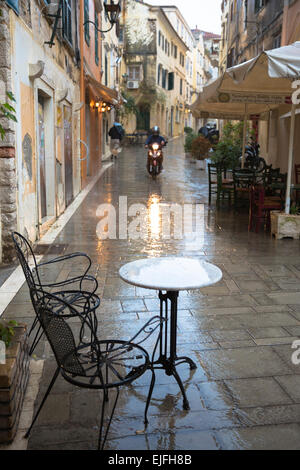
(57, 330)
(24, 252)
(297, 174)
(279, 178)
(215, 171)
(243, 178)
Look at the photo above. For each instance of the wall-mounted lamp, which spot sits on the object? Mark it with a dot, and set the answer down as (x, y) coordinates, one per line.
(112, 12)
(101, 106)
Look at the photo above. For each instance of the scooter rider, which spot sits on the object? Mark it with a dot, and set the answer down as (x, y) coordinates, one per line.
(155, 138)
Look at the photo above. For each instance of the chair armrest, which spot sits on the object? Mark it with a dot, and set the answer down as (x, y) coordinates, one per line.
(67, 257)
(74, 280)
(64, 258)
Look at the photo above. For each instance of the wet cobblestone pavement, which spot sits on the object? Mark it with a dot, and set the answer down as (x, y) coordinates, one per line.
(244, 393)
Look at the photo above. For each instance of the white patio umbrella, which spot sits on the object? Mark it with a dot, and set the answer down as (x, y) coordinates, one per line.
(261, 83)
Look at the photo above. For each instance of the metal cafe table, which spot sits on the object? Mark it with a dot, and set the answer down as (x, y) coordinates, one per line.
(169, 276)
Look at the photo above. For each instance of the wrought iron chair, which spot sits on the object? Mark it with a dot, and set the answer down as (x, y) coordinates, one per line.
(78, 291)
(100, 365)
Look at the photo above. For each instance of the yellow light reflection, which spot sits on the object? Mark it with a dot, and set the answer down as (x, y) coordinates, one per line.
(154, 217)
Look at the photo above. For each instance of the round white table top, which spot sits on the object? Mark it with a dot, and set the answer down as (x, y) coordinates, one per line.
(170, 273)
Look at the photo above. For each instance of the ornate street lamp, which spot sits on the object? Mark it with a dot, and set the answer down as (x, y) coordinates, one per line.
(112, 13)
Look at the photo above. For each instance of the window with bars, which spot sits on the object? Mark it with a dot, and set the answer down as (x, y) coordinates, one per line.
(86, 18)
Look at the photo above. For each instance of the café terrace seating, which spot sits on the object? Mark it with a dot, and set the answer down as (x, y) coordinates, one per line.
(261, 191)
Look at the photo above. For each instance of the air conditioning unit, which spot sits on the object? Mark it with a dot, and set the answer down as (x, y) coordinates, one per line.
(133, 85)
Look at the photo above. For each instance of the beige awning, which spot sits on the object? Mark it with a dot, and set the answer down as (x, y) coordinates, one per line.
(107, 94)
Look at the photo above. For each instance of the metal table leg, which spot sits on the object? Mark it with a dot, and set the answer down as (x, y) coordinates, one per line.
(168, 358)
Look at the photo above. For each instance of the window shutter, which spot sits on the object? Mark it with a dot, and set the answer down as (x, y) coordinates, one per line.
(171, 81)
(86, 18)
(14, 4)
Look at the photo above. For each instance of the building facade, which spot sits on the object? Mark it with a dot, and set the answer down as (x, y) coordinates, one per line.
(155, 69)
(40, 170)
(248, 28)
(291, 22)
(112, 56)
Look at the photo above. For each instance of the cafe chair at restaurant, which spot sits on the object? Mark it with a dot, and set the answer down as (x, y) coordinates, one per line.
(99, 365)
(261, 207)
(243, 179)
(218, 182)
(78, 290)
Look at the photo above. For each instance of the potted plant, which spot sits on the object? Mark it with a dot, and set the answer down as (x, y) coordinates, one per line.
(199, 150)
(286, 225)
(188, 130)
(228, 151)
(14, 374)
(190, 137)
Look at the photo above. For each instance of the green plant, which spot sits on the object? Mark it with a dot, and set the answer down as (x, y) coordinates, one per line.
(129, 106)
(228, 150)
(189, 140)
(295, 210)
(7, 331)
(188, 130)
(200, 147)
(7, 111)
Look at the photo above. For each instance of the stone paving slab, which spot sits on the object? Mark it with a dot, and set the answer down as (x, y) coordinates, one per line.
(244, 392)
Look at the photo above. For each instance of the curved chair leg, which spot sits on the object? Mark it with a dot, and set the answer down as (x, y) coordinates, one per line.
(35, 322)
(36, 340)
(43, 401)
(149, 396)
(104, 401)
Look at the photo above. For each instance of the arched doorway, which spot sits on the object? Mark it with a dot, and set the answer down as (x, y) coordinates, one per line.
(143, 118)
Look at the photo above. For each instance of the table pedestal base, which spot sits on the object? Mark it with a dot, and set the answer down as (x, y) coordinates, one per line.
(168, 359)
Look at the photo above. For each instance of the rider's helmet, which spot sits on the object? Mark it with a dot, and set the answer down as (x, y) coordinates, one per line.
(155, 130)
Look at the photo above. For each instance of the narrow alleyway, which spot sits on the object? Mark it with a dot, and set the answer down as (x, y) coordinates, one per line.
(245, 391)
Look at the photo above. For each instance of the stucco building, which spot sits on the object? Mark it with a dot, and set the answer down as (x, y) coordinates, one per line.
(40, 170)
(51, 59)
(248, 28)
(155, 69)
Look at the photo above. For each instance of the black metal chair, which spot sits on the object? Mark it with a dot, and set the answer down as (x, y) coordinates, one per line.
(100, 365)
(78, 291)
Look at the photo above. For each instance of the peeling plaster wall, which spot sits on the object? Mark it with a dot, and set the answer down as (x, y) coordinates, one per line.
(139, 33)
(22, 42)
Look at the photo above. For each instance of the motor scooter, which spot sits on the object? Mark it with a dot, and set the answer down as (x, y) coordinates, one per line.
(155, 159)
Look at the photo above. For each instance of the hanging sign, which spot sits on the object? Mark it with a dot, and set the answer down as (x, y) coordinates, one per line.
(254, 98)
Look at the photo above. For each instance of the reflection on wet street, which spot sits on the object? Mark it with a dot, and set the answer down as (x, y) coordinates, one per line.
(244, 393)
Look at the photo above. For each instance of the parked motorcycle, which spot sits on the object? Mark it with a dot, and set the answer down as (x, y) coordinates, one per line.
(253, 160)
(155, 159)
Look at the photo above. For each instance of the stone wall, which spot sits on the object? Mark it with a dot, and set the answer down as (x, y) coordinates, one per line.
(7, 145)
